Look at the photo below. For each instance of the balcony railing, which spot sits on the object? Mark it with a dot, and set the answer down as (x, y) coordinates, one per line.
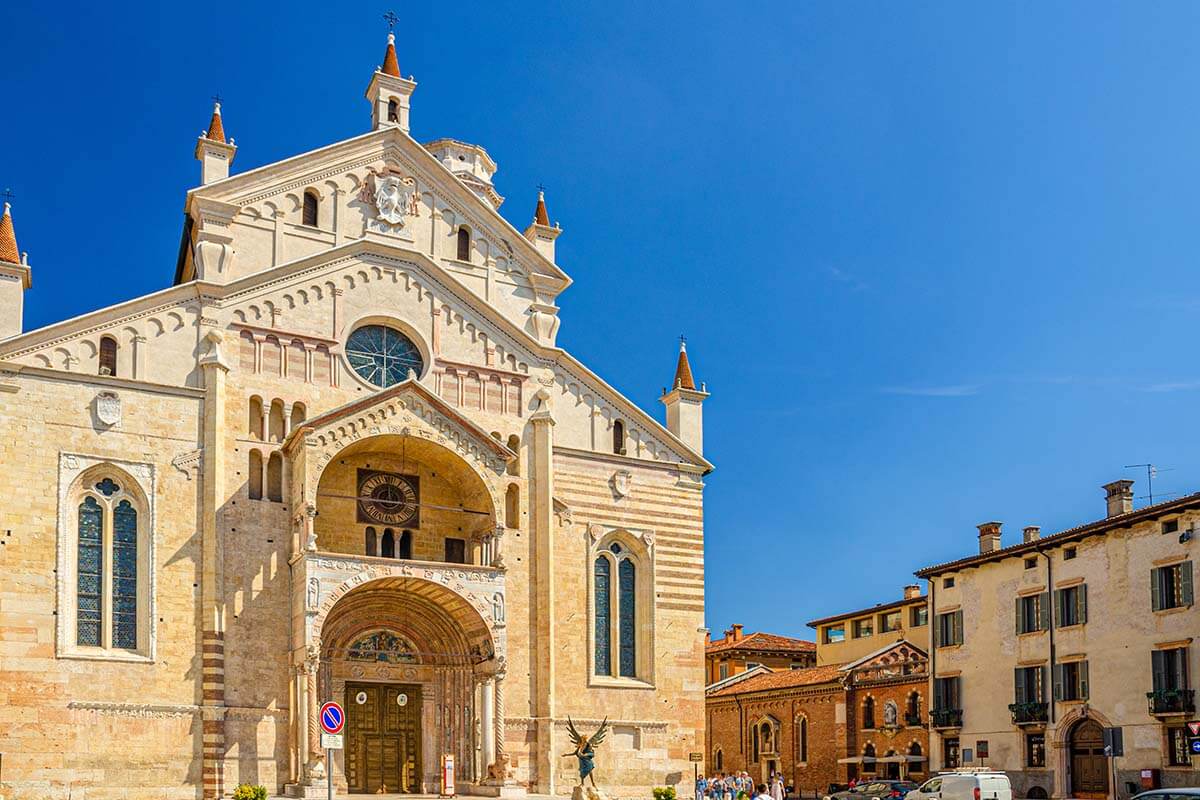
(946, 718)
(1172, 701)
(1031, 713)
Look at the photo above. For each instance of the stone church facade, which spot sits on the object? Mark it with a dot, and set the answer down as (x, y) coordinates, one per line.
(341, 458)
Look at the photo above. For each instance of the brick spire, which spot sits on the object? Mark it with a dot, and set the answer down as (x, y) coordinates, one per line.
(216, 131)
(8, 239)
(540, 216)
(683, 370)
(390, 65)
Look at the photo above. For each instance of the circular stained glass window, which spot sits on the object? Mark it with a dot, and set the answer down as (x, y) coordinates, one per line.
(382, 355)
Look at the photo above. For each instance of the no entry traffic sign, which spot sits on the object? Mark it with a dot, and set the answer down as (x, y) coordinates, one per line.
(333, 718)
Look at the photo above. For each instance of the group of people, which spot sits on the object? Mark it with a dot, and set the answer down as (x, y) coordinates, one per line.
(739, 786)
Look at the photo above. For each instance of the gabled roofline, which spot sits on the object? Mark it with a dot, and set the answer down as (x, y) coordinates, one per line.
(406, 386)
(881, 651)
(1097, 528)
(389, 133)
(723, 683)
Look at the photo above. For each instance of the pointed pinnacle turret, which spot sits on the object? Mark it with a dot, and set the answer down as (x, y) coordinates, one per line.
(683, 370)
(8, 239)
(540, 217)
(390, 65)
(216, 131)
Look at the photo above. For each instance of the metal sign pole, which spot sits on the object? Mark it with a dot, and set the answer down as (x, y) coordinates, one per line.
(329, 772)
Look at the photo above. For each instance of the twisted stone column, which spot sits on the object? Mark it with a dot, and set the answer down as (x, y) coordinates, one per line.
(498, 718)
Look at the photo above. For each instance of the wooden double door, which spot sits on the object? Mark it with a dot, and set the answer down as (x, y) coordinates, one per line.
(1089, 765)
(383, 738)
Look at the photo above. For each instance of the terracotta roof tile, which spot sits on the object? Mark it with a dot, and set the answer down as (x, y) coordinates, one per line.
(8, 238)
(540, 216)
(216, 131)
(683, 370)
(784, 679)
(762, 641)
(390, 65)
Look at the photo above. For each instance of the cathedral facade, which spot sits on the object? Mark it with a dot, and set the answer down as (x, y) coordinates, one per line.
(341, 459)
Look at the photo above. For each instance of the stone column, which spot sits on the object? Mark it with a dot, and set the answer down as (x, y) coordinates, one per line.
(287, 419)
(139, 357)
(316, 763)
(542, 644)
(501, 749)
(486, 721)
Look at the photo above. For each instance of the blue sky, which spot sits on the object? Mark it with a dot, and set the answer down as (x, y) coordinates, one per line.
(935, 261)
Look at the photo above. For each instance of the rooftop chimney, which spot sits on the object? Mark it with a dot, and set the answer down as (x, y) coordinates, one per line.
(707, 636)
(1119, 495)
(1032, 533)
(912, 591)
(737, 632)
(989, 536)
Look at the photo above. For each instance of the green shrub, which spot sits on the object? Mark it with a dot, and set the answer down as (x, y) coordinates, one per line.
(248, 792)
(664, 793)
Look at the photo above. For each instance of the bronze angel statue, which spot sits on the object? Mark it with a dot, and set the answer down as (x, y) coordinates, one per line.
(585, 749)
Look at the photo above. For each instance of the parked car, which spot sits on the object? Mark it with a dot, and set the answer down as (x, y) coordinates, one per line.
(874, 790)
(1179, 793)
(964, 785)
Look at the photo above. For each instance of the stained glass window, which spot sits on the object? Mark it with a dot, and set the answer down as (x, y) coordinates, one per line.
(382, 356)
(107, 488)
(124, 612)
(90, 573)
(603, 618)
(626, 575)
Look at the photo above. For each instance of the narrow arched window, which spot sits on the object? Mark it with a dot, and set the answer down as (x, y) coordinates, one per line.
(298, 414)
(255, 480)
(756, 741)
(255, 423)
(393, 113)
(512, 506)
(514, 444)
(90, 573)
(275, 478)
(108, 355)
(405, 549)
(869, 758)
(602, 573)
(371, 546)
(627, 580)
(719, 760)
(124, 589)
(803, 748)
(310, 209)
(275, 421)
(464, 243)
(619, 437)
(914, 709)
(387, 548)
(868, 718)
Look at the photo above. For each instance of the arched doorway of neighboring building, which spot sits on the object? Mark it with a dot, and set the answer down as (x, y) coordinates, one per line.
(891, 769)
(1089, 766)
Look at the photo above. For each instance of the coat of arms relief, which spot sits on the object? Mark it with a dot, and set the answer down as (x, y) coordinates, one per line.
(395, 200)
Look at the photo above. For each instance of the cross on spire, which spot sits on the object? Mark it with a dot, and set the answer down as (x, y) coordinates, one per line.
(8, 195)
(391, 19)
(541, 187)
(216, 98)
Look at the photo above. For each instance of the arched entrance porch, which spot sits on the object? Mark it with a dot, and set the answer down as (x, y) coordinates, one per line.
(1089, 765)
(415, 665)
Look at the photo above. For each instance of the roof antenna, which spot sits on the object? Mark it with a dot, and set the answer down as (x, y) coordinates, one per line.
(1151, 471)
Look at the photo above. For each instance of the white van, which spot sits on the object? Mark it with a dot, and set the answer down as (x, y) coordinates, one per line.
(964, 785)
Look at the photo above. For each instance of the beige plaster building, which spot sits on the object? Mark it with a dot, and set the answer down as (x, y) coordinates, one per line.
(341, 458)
(849, 636)
(1041, 645)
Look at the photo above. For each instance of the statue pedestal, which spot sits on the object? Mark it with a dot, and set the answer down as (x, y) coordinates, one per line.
(588, 793)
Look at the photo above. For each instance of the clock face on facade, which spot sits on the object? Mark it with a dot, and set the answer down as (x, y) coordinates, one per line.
(389, 498)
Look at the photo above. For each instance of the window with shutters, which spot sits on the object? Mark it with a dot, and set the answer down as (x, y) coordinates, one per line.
(1169, 669)
(104, 597)
(309, 214)
(622, 647)
(1171, 586)
(1071, 681)
(1070, 606)
(949, 629)
(947, 695)
(1033, 613)
(464, 243)
(108, 355)
(1030, 685)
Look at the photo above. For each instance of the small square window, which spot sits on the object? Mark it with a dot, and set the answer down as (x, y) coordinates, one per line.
(863, 628)
(948, 583)
(1031, 562)
(1068, 553)
(1170, 526)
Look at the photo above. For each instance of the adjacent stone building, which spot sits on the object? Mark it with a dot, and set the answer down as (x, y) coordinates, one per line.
(850, 635)
(1042, 645)
(341, 458)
